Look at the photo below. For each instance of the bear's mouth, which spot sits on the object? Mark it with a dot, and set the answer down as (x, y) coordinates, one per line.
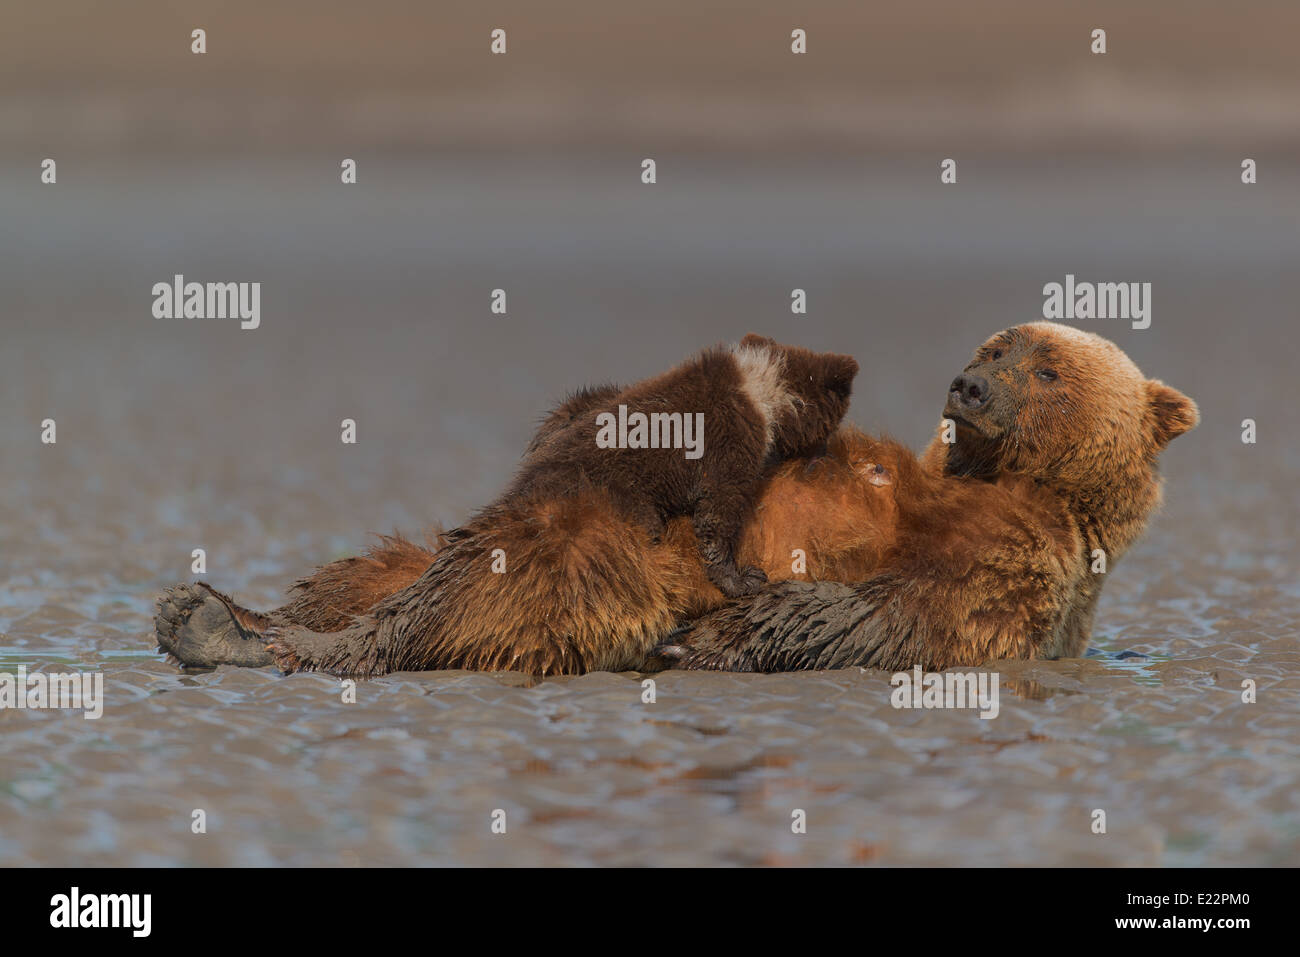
(979, 426)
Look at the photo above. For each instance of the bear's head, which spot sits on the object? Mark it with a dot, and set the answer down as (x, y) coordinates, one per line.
(808, 393)
(1063, 406)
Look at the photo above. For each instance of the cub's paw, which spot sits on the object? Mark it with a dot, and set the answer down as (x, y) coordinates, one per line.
(752, 579)
(734, 582)
(196, 629)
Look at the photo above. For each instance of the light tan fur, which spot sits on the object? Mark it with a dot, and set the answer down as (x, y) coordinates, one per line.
(763, 383)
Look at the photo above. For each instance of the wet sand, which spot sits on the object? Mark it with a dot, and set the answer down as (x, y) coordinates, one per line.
(174, 435)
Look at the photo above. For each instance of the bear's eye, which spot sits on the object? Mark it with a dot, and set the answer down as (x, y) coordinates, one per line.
(1047, 375)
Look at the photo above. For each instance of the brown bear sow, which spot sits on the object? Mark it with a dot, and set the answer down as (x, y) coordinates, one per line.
(1053, 465)
(694, 441)
(983, 548)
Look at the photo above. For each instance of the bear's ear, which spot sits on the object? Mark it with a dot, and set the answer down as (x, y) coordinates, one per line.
(840, 371)
(1172, 412)
(754, 339)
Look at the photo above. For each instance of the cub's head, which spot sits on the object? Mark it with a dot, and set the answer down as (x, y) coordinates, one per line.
(803, 394)
(1061, 405)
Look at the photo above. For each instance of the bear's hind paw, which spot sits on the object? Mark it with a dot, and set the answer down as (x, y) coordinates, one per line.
(197, 630)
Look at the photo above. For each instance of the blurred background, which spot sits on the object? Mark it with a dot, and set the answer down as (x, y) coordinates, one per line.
(523, 172)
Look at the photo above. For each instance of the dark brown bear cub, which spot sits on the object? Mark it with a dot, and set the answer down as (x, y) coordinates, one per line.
(694, 441)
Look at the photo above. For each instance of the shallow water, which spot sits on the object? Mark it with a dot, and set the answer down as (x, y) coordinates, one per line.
(179, 436)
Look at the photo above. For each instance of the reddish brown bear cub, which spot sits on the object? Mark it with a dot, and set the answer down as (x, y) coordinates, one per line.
(694, 441)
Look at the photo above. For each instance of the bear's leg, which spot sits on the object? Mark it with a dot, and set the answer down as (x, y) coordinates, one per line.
(374, 641)
(718, 518)
(357, 651)
(550, 587)
(806, 626)
(198, 626)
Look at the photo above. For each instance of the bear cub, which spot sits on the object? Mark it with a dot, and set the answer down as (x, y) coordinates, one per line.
(758, 402)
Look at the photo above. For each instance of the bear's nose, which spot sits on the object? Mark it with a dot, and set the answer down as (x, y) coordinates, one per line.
(970, 391)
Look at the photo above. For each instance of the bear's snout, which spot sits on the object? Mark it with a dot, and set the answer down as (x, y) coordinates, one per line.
(969, 391)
